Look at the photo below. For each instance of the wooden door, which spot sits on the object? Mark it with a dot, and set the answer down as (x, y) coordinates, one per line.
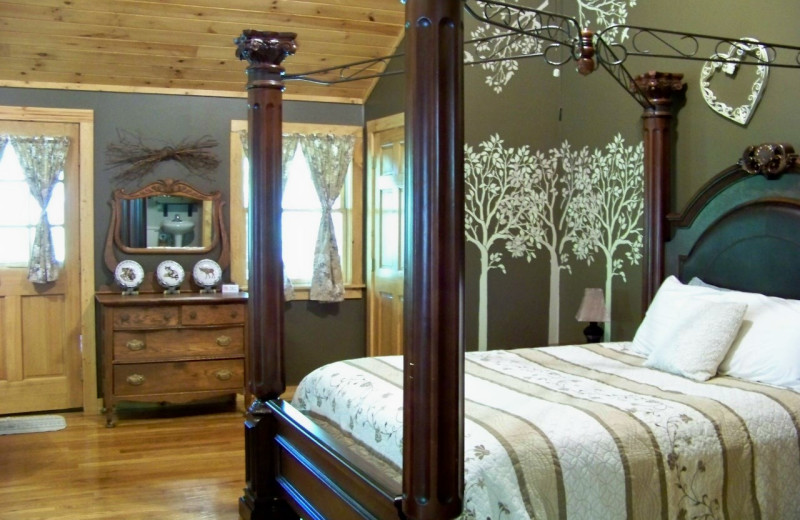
(40, 350)
(385, 222)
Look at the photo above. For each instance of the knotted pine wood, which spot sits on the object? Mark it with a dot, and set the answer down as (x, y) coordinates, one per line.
(172, 464)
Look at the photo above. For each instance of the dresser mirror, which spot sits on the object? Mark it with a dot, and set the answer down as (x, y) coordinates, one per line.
(165, 217)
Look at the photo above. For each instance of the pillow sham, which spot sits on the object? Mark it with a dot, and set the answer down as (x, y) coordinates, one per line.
(767, 348)
(663, 317)
(700, 339)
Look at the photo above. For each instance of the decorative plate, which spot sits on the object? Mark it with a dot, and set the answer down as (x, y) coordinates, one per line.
(169, 274)
(129, 274)
(207, 273)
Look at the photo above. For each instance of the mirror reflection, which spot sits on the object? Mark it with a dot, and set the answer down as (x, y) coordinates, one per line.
(166, 221)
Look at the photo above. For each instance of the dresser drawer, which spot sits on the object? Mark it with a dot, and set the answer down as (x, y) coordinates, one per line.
(178, 377)
(149, 345)
(213, 314)
(143, 317)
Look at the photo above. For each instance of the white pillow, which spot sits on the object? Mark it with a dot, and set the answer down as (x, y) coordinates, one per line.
(767, 349)
(700, 339)
(663, 317)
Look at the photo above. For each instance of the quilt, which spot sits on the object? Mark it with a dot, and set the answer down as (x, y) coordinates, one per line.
(586, 432)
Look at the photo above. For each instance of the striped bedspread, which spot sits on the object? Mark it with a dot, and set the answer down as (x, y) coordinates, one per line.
(587, 432)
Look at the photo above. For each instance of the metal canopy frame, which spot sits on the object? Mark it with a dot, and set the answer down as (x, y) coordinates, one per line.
(564, 40)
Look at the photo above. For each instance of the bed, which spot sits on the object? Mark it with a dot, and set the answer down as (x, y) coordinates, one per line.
(303, 464)
(584, 432)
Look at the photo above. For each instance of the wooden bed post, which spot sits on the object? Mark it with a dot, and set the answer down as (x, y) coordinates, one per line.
(433, 421)
(264, 51)
(661, 89)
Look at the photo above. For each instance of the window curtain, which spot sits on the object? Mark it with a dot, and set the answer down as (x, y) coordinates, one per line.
(42, 159)
(3, 141)
(289, 148)
(329, 157)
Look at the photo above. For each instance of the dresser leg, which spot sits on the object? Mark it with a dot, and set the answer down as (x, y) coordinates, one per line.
(111, 420)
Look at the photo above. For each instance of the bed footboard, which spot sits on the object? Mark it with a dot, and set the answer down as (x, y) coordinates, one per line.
(312, 475)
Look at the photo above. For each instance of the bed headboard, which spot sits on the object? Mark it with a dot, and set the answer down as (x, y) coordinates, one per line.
(742, 229)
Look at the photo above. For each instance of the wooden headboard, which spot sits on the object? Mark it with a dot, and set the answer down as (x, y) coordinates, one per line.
(742, 229)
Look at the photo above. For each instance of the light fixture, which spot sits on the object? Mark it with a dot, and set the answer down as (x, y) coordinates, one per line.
(593, 310)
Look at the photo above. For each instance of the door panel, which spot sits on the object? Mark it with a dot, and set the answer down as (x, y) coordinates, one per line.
(43, 347)
(40, 357)
(385, 207)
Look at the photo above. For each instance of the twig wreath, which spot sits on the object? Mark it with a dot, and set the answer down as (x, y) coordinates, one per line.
(138, 159)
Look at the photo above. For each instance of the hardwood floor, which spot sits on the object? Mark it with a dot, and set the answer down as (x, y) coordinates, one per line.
(157, 463)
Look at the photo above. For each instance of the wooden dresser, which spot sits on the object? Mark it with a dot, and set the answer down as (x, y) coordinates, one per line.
(171, 348)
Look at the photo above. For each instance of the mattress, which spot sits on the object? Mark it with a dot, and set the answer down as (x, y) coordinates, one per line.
(585, 432)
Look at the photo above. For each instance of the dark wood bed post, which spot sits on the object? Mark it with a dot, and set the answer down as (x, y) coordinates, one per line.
(661, 89)
(264, 51)
(433, 421)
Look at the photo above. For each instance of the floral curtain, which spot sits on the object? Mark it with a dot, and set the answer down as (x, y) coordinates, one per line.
(289, 148)
(329, 157)
(42, 159)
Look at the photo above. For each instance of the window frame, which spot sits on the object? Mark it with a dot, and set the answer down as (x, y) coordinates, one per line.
(352, 249)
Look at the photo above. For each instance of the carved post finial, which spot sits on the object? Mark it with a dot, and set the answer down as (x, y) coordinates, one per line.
(660, 88)
(265, 51)
(265, 47)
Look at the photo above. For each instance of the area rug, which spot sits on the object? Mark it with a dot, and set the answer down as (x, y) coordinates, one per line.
(31, 424)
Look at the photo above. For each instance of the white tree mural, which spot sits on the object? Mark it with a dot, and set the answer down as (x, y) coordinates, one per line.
(501, 71)
(562, 221)
(605, 13)
(495, 210)
(593, 14)
(614, 204)
(567, 203)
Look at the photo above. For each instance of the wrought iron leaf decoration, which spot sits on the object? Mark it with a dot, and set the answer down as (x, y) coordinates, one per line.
(137, 158)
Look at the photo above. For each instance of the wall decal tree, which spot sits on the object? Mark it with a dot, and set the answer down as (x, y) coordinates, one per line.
(614, 204)
(599, 14)
(501, 71)
(495, 208)
(568, 203)
(561, 224)
(592, 14)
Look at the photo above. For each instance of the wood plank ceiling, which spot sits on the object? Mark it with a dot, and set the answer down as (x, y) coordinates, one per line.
(186, 46)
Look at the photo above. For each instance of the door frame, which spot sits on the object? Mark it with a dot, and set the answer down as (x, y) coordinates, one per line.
(84, 118)
(373, 127)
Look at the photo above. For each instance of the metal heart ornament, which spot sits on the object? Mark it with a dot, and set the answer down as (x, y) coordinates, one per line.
(728, 63)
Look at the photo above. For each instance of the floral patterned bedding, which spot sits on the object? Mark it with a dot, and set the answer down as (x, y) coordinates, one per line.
(586, 432)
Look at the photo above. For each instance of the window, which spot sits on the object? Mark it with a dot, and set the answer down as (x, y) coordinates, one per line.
(301, 214)
(19, 213)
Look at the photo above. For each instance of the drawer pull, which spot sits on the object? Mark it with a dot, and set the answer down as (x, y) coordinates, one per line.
(135, 379)
(124, 318)
(135, 345)
(224, 341)
(193, 315)
(234, 314)
(224, 375)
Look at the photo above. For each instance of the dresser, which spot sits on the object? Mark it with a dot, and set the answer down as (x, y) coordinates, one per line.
(172, 348)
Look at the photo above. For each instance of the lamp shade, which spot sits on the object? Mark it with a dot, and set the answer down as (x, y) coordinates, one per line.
(593, 306)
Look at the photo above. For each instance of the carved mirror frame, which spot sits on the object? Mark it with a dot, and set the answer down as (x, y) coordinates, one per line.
(166, 187)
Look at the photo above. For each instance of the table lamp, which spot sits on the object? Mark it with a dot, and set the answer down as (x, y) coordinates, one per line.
(593, 310)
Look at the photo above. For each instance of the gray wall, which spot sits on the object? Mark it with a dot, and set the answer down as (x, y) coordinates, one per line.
(593, 110)
(314, 333)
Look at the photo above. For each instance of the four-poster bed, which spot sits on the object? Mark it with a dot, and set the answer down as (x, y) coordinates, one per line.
(296, 467)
